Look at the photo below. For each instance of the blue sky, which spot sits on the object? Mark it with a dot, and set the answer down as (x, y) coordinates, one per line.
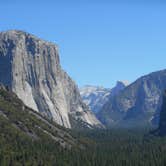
(100, 41)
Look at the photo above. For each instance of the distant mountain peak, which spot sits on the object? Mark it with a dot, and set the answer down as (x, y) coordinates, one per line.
(124, 82)
(96, 96)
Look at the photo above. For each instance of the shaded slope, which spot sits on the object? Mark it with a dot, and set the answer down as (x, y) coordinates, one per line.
(162, 123)
(17, 120)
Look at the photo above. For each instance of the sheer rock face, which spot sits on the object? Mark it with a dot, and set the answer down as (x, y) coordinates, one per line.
(31, 68)
(138, 104)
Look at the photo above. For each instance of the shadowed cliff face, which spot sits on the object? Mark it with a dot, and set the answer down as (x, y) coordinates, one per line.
(162, 123)
(138, 104)
(6, 48)
(31, 68)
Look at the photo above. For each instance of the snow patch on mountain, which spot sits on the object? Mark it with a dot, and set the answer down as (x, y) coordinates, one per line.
(96, 96)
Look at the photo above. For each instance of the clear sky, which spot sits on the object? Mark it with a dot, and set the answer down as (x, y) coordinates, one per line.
(100, 41)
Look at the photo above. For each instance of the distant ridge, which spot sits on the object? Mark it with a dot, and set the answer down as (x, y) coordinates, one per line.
(139, 104)
(96, 96)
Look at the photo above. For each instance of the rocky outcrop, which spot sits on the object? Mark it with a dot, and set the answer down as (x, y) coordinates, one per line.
(31, 68)
(138, 104)
(120, 85)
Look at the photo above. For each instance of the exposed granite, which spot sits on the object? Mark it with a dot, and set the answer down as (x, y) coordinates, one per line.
(31, 68)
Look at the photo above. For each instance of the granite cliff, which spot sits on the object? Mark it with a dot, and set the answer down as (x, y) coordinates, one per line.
(30, 67)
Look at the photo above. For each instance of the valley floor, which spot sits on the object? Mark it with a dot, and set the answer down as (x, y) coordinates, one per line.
(100, 148)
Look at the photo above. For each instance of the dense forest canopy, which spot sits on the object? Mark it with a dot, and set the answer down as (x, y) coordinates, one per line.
(102, 148)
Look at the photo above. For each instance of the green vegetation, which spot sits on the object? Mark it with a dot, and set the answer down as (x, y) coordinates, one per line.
(102, 148)
(28, 139)
(122, 147)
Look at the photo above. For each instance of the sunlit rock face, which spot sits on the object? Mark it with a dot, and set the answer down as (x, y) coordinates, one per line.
(31, 68)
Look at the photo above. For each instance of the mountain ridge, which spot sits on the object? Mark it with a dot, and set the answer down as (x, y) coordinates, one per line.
(140, 101)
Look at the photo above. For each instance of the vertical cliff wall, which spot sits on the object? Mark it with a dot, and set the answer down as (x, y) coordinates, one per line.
(31, 68)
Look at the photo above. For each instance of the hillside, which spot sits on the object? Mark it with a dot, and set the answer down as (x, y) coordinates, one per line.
(161, 131)
(24, 132)
(27, 138)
